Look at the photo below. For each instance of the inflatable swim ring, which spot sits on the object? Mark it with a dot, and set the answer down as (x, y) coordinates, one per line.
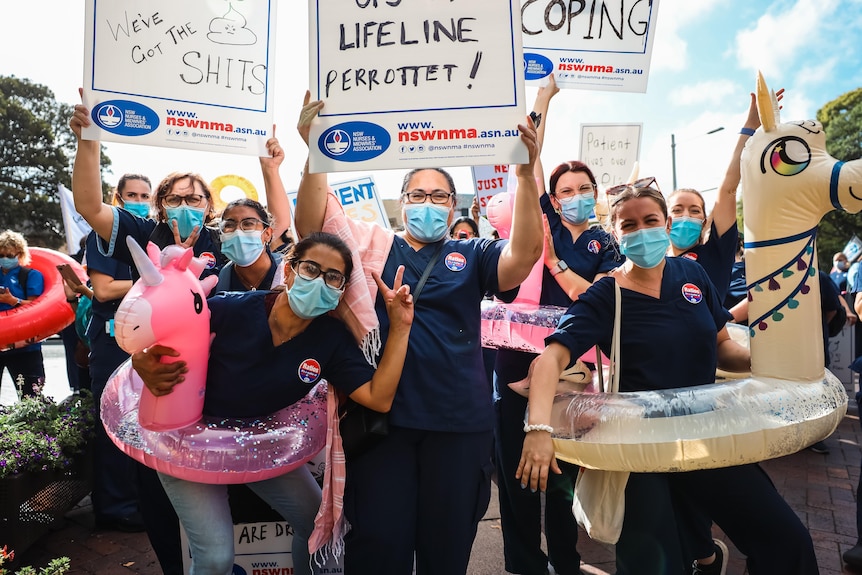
(216, 450)
(790, 401)
(230, 180)
(48, 314)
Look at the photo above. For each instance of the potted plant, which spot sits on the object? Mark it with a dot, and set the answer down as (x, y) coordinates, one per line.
(55, 567)
(44, 466)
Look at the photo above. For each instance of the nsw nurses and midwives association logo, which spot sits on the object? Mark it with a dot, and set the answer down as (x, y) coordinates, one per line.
(337, 142)
(109, 115)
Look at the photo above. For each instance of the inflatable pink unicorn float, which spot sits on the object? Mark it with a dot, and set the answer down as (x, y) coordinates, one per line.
(168, 306)
(790, 400)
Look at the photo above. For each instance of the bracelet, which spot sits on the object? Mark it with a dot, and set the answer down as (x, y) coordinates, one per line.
(747, 131)
(528, 427)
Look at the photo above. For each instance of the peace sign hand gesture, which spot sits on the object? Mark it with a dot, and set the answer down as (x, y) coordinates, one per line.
(399, 300)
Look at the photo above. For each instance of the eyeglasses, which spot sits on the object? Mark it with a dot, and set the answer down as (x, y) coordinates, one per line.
(191, 200)
(246, 225)
(567, 193)
(419, 196)
(642, 183)
(9, 256)
(310, 270)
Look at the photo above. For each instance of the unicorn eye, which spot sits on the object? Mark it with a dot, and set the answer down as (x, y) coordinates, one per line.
(786, 156)
(199, 302)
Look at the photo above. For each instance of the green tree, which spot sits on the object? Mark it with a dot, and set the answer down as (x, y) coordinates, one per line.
(36, 150)
(842, 120)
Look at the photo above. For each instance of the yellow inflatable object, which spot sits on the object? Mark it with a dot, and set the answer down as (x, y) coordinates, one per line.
(230, 181)
(790, 400)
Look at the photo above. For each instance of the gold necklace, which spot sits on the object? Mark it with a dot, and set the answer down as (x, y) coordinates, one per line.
(634, 281)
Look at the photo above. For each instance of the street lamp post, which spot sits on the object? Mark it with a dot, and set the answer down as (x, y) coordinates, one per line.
(673, 151)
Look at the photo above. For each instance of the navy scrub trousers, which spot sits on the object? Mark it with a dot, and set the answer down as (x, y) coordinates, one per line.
(446, 476)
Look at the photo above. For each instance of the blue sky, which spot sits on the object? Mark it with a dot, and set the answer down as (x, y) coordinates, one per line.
(704, 63)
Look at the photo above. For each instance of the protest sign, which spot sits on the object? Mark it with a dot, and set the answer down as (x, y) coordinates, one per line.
(192, 74)
(415, 84)
(359, 198)
(488, 181)
(590, 45)
(610, 151)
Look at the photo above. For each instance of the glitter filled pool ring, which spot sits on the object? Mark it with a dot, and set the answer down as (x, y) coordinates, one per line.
(216, 450)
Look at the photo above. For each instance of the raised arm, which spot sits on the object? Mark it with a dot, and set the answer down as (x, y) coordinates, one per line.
(311, 196)
(276, 197)
(87, 178)
(540, 107)
(379, 393)
(724, 211)
(525, 237)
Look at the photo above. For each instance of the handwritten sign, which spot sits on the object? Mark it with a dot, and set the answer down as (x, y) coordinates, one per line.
(193, 74)
(489, 181)
(597, 45)
(358, 197)
(407, 84)
(610, 151)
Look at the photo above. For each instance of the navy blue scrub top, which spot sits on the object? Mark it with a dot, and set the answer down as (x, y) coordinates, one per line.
(35, 287)
(248, 377)
(444, 386)
(716, 256)
(103, 311)
(127, 224)
(664, 343)
(594, 252)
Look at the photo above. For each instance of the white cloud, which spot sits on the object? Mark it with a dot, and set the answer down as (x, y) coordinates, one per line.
(711, 92)
(670, 51)
(778, 37)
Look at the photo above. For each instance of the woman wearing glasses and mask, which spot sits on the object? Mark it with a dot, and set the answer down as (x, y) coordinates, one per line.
(246, 234)
(667, 303)
(575, 256)
(259, 362)
(416, 498)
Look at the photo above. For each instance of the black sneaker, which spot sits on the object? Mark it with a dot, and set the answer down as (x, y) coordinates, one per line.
(717, 567)
(819, 447)
(853, 557)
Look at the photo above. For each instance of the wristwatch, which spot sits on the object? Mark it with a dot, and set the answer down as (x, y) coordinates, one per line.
(559, 268)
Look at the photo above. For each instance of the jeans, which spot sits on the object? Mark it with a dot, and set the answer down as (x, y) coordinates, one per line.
(204, 512)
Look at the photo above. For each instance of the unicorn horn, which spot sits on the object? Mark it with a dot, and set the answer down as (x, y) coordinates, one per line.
(150, 274)
(765, 105)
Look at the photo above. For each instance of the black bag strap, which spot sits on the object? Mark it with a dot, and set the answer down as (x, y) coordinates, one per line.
(224, 278)
(421, 283)
(23, 274)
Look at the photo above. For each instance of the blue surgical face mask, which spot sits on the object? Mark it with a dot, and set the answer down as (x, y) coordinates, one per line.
(577, 209)
(427, 222)
(311, 298)
(685, 231)
(140, 209)
(646, 247)
(242, 248)
(8, 263)
(187, 218)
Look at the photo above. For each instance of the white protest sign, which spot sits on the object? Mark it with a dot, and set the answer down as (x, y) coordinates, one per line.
(358, 197)
(488, 181)
(193, 74)
(610, 151)
(603, 45)
(415, 84)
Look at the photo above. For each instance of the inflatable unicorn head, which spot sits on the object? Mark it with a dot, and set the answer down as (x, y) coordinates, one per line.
(168, 306)
(789, 183)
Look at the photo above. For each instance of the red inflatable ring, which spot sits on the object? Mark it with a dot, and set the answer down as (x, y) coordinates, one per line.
(33, 321)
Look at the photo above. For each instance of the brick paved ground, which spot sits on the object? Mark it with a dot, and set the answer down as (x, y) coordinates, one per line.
(820, 488)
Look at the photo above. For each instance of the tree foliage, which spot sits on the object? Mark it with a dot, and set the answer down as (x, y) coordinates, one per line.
(842, 120)
(36, 150)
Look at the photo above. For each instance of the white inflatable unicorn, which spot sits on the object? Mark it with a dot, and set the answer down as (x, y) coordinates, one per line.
(789, 182)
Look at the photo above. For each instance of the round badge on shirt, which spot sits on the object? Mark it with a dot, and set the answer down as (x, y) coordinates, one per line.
(690, 256)
(309, 370)
(594, 246)
(692, 293)
(209, 258)
(456, 262)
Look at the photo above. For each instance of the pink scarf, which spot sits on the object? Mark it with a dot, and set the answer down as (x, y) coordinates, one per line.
(370, 245)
